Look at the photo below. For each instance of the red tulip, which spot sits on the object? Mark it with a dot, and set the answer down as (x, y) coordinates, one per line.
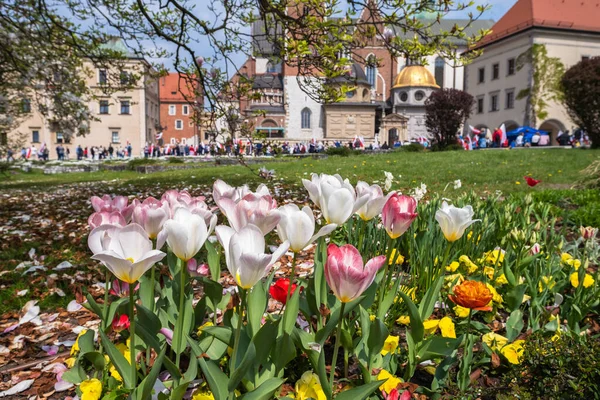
(279, 289)
(398, 213)
(120, 323)
(530, 181)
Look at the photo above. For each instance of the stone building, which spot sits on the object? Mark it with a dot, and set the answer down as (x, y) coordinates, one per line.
(569, 29)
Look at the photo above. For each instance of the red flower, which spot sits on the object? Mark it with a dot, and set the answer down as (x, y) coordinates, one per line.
(120, 323)
(530, 181)
(280, 289)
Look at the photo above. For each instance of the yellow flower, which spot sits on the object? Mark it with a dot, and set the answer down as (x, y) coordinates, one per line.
(495, 256)
(454, 279)
(203, 395)
(547, 282)
(465, 260)
(574, 278)
(513, 352)
(399, 259)
(403, 319)
(447, 328)
(489, 271)
(453, 266)
(372, 318)
(588, 281)
(205, 325)
(75, 347)
(517, 183)
(309, 387)
(496, 298)
(501, 280)
(69, 362)
(409, 291)
(91, 389)
(390, 344)
(391, 383)
(431, 326)
(124, 349)
(461, 312)
(494, 341)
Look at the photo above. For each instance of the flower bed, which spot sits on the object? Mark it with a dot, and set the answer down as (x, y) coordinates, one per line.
(406, 297)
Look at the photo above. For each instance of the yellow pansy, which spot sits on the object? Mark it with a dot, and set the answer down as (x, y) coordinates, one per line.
(461, 312)
(454, 279)
(391, 383)
(495, 256)
(203, 395)
(403, 319)
(546, 282)
(453, 266)
(494, 341)
(124, 349)
(91, 389)
(205, 325)
(489, 271)
(390, 344)
(69, 362)
(588, 281)
(447, 328)
(497, 298)
(513, 352)
(501, 280)
(399, 259)
(566, 257)
(309, 387)
(431, 326)
(75, 347)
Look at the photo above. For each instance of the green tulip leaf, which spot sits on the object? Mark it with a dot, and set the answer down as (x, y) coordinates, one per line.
(417, 330)
(264, 391)
(257, 303)
(214, 261)
(360, 392)
(291, 312)
(241, 369)
(118, 360)
(217, 380)
(144, 390)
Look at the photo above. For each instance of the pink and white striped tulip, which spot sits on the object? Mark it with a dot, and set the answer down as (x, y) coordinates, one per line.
(245, 254)
(99, 238)
(151, 214)
(252, 209)
(397, 214)
(345, 274)
(454, 221)
(376, 200)
(118, 203)
(106, 218)
(129, 254)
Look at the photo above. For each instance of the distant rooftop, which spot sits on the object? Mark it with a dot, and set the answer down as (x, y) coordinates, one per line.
(117, 44)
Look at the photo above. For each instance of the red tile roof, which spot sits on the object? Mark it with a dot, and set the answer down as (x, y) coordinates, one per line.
(581, 15)
(175, 87)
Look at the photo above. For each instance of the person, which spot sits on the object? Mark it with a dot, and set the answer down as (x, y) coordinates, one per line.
(544, 140)
(23, 153)
(68, 153)
(111, 150)
(497, 138)
(385, 146)
(535, 139)
(9, 155)
(519, 140)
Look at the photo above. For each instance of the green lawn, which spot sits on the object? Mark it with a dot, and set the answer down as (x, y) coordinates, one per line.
(478, 170)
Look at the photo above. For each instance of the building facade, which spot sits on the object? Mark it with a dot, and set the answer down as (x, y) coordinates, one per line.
(569, 30)
(125, 117)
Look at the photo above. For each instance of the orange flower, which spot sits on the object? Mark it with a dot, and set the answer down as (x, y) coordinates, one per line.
(472, 294)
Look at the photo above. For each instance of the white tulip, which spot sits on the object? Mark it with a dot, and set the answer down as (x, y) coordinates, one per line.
(252, 209)
(298, 227)
(185, 233)
(453, 220)
(100, 237)
(375, 201)
(334, 196)
(129, 254)
(245, 254)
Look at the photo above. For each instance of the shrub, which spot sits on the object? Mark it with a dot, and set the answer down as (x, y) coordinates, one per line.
(450, 147)
(564, 369)
(412, 148)
(175, 160)
(138, 162)
(339, 151)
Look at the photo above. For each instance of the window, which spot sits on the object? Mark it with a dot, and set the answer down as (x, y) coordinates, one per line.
(439, 71)
(103, 106)
(494, 102)
(403, 96)
(419, 95)
(481, 77)
(60, 138)
(125, 107)
(585, 58)
(350, 94)
(178, 124)
(510, 99)
(306, 113)
(35, 136)
(371, 70)
(511, 66)
(185, 110)
(26, 105)
(495, 71)
(3, 138)
(172, 110)
(173, 141)
(115, 137)
(102, 77)
(124, 78)
(273, 67)
(480, 105)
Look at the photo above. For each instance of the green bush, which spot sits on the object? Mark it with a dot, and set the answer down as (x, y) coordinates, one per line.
(138, 162)
(412, 148)
(175, 160)
(564, 369)
(339, 151)
(450, 147)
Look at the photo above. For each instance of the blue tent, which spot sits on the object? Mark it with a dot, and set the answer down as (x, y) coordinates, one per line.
(527, 132)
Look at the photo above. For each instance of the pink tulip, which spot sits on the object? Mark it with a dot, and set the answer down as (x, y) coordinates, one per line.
(167, 333)
(106, 218)
(588, 232)
(196, 270)
(120, 323)
(177, 199)
(119, 203)
(222, 190)
(151, 214)
(535, 249)
(252, 209)
(345, 273)
(398, 213)
(121, 289)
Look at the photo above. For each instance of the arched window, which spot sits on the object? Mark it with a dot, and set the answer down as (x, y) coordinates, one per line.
(371, 70)
(306, 113)
(439, 71)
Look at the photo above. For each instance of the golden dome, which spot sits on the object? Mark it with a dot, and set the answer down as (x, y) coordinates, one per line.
(415, 75)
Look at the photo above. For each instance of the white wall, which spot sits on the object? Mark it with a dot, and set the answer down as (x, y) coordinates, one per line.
(296, 100)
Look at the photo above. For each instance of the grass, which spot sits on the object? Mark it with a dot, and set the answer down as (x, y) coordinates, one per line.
(478, 170)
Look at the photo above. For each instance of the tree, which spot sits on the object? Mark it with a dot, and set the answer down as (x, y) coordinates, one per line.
(544, 86)
(446, 111)
(581, 87)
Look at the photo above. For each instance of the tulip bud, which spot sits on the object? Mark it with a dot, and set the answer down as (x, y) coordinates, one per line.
(535, 249)
(279, 289)
(588, 232)
(120, 323)
(398, 213)
(196, 270)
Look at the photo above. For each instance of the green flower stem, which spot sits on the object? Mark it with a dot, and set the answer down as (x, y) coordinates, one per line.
(181, 316)
(132, 335)
(292, 277)
(361, 234)
(383, 281)
(105, 323)
(238, 332)
(336, 346)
